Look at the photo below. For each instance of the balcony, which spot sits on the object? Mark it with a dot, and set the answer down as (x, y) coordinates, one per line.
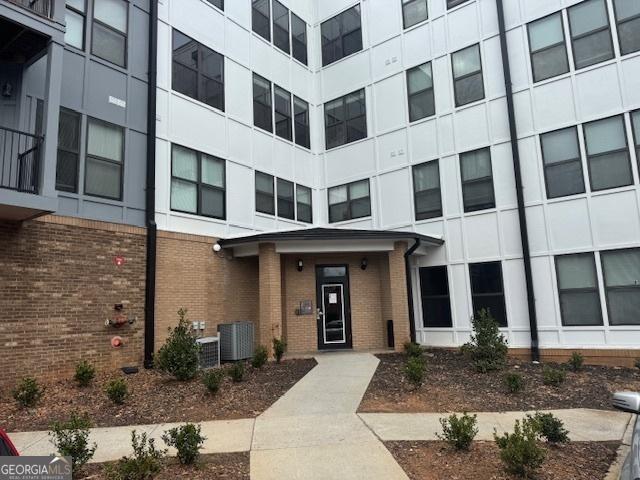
(44, 8)
(19, 160)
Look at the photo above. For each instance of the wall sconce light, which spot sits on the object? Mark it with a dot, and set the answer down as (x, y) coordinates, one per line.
(364, 263)
(299, 265)
(7, 90)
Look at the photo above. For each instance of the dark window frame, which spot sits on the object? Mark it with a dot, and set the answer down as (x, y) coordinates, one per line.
(340, 39)
(287, 117)
(479, 72)
(84, 25)
(634, 18)
(432, 213)
(635, 136)
(485, 179)
(112, 30)
(298, 203)
(349, 201)
(547, 48)
(264, 106)
(628, 288)
(281, 200)
(345, 140)
(411, 95)
(302, 139)
(296, 41)
(255, 12)
(276, 26)
(404, 3)
(597, 155)
(104, 159)
(588, 34)
(199, 184)
(578, 160)
(439, 323)
(201, 49)
(67, 188)
(272, 195)
(561, 291)
(500, 294)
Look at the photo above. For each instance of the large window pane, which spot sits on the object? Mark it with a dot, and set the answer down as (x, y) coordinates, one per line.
(436, 305)
(578, 290)
(74, 33)
(301, 116)
(298, 38)
(105, 156)
(487, 291)
(265, 200)
(467, 75)
(68, 151)
(341, 35)
(283, 113)
(628, 19)
(184, 196)
(285, 199)
(213, 171)
(621, 270)
(280, 26)
(608, 153)
(262, 103)
(304, 204)
(420, 92)
(109, 44)
(345, 119)
(184, 163)
(112, 13)
(590, 33)
(261, 18)
(562, 163)
(477, 180)
(349, 201)
(547, 47)
(414, 12)
(426, 188)
(102, 179)
(104, 140)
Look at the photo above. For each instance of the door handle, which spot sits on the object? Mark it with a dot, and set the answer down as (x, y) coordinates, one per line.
(319, 314)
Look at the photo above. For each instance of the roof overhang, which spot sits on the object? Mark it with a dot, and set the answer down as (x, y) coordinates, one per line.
(326, 240)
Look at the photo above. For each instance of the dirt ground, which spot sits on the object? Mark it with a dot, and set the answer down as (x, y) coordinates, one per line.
(156, 398)
(438, 461)
(451, 384)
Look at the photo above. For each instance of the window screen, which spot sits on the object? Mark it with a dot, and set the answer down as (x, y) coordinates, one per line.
(628, 19)
(341, 36)
(68, 151)
(477, 180)
(578, 290)
(621, 270)
(414, 12)
(562, 163)
(426, 190)
(104, 160)
(547, 47)
(109, 40)
(350, 201)
(436, 305)
(607, 153)
(265, 200)
(467, 75)
(487, 290)
(420, 92)
(590, 33)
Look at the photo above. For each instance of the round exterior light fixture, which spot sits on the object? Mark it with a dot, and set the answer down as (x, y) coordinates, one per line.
(216, 247)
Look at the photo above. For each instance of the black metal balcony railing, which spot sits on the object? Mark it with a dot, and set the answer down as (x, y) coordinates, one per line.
(19, 160)
(40, 7)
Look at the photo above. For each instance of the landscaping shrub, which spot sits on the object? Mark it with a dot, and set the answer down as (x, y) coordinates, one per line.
(576, 361)
(514, 382)
(71, 439)
(413, 349)
(85, 372)
(550, 427)
(279, 346)
(236, 372)
(459, 432)
(27, 393)
(414, 370)
(488, 347)
(520, 451)
(117, 391)
(637, 363)
(260, 357)
(553, 376)
(187, 440)
(212, 379)
(145, 463)
(179, 355)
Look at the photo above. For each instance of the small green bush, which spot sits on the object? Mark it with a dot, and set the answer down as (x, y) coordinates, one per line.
(414, 370)
(459, 432)
(550, 427)
(260, 357)
(413, 349)
(212, 379)
(117, 391)
(575, 361)
(488, 347)
(279, 347)
(27, 393)
(187, 440)
(85, 373)
(71, 439)
(145, 463)
(553, 376)
(236, 372)
(514, 382)
(519, 451)
(179, 356)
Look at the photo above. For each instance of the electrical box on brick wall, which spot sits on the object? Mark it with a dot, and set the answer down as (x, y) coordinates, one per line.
(305, 308)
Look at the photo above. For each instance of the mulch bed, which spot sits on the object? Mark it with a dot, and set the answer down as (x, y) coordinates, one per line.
(437, 461)
(452, 385)
(156, 398)
(231, 466)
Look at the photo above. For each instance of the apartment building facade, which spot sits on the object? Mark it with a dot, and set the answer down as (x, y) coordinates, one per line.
(356, 174)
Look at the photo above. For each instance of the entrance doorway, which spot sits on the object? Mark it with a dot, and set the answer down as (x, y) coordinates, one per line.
(333, 311)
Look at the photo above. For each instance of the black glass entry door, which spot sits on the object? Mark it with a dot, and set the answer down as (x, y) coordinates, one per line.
(333, 311)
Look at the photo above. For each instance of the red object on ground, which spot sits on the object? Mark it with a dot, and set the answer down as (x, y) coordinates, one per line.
(6, 446)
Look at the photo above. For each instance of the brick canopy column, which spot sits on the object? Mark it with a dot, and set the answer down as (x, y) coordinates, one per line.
(398, 295)
(270, 287)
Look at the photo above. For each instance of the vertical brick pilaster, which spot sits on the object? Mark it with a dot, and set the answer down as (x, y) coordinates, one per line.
(270, 285)
(398, 295)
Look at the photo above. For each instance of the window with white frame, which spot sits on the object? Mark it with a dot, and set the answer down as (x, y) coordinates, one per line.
(341, 35)
(426, 190)
(590, 33)
(349, 201)
(104, 160)
(608, 153)
(621, 272)
(420, 92)
(468, 84)
(345, 119)
(578, 290)
(628, 20)
(477, 180)
(547, 47)
(74, 18)
(109, 40)
(562, 163)
(414, 12)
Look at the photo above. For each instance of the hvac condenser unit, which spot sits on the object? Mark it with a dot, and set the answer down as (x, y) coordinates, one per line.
(236, 340)
(209, 352)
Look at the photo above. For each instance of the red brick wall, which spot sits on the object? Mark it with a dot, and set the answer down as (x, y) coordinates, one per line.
(58, 285)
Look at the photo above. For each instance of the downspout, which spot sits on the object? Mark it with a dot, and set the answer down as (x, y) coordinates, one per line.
(524, 235)
(407, 267)
(150, 285)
